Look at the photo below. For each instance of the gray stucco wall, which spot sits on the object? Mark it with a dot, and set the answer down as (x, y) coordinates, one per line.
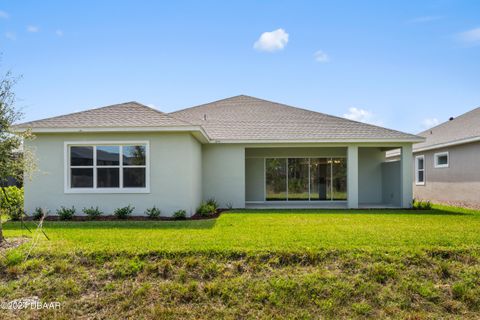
(254, 179)
(391, 183)
(460, 182)
(224, 174)
(170, 154)
(370, 175)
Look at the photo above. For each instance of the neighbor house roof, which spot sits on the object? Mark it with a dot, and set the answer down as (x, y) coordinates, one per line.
(245, 118)
(237, 119)
(129, 114)
(462, 129)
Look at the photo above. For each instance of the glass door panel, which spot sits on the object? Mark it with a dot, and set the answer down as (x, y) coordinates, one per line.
(276, 179)
(319, 179)
(339, 176)
(298, 179)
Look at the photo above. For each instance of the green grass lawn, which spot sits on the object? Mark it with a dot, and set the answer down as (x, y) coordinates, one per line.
(254, 264)
(270, 231)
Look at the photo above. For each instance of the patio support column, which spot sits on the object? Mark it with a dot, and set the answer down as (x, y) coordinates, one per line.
(407, 175)
(352, 177)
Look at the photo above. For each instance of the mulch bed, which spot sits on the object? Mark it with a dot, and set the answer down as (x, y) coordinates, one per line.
(132, 218)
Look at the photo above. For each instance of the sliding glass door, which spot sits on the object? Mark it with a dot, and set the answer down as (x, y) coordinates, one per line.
(298, 179)
(276, 179)
(320, 179)
(305, 179)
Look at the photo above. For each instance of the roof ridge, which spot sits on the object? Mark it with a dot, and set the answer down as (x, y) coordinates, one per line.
(303, 109)
(117, 105)
(161, 112)
(215, 101)
(80, 112)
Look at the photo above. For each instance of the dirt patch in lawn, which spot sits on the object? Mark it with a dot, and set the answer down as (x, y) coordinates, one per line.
(9, 243)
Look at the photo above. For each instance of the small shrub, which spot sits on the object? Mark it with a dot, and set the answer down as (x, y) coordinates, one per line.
(39, 213)
(212, 202)
(12, 203)
(66, 213)
(421, 205)
(123, 213)
(153, 212)
(92, 212)
(180, 214)
(206, 209)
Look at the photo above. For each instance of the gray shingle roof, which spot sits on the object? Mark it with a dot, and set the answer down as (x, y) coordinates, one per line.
(248, 118)
(129, 114)
(466, 126)
(240, 118)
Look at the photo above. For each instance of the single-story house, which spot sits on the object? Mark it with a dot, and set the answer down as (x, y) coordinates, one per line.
(447, 163)
(243, 151)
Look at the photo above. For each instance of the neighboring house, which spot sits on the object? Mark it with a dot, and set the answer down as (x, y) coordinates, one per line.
(243, 151)
(447, 163)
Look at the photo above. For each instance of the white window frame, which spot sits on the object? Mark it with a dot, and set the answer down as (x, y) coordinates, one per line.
(417, 170)
(438, 155)
(94, 144)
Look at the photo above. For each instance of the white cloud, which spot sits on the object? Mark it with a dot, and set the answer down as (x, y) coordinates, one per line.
(271, 41)
(425, 19)
(430, 122)
(10, 35)
(362, 115)
(321, 56)
(33, 29)
(59, 32)
(470, 36)
(3, 15)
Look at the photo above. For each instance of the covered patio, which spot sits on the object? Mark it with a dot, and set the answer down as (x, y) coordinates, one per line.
(327, 176)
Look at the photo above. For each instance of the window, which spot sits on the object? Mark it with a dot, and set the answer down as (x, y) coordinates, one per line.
(305, 179)
(420, 170)
(106, 167)
(441, 160)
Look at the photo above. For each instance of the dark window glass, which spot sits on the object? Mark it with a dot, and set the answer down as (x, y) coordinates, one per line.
(134, 178)
(134, 155)
(108, 155)
(108, 178)
(442, 160)
(420, 176)
(320, 177)
(81, 156)
(81, 178)
(339, 179)
(420, 163)
(276, 179)
(298, 179)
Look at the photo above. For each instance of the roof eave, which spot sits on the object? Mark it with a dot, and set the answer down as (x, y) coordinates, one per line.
(374, 140)
(197, 131)
(447, 144)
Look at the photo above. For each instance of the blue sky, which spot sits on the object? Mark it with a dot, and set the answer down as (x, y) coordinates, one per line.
(400, 64)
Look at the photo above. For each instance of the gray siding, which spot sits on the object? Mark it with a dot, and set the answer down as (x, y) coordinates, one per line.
(460, 182)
